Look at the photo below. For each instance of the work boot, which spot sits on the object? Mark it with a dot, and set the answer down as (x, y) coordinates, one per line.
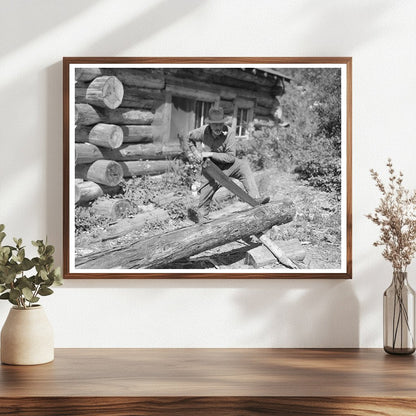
(262, 200)
(198, 216)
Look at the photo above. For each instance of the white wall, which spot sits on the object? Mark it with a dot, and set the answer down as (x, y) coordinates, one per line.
(380, 35)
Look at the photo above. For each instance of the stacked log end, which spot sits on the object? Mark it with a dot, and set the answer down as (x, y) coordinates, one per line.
(118, 132)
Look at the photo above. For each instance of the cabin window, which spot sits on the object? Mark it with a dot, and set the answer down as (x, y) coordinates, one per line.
(201, 112)
(187, 114)
(242, 121)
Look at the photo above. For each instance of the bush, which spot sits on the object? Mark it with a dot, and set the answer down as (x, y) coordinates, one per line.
(323, 174)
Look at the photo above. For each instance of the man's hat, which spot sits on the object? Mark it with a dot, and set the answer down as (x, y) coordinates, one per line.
(215, 115)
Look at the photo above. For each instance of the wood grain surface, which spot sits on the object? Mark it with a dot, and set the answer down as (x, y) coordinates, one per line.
(212, 381)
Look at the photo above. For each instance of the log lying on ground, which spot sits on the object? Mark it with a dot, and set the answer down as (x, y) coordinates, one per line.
(106, 172)
(262, 257)
(277, 252)
(143, 152)
(106, 91)
(112, 208)
(87, 153)
(89, 191)
(87, 74)
(166, 248)
(128, 225)
(86, 114)
(141, 168)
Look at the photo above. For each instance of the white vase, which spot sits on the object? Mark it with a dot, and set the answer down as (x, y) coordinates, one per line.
(27, 337)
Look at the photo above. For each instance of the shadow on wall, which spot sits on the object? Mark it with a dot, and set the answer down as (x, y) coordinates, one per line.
(158, 17)
(301, 313)
(347, 25)
(41, 16)
(139, 28)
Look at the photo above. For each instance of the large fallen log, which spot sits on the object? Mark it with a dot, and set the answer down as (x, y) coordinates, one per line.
(163, 249)
(129, 225)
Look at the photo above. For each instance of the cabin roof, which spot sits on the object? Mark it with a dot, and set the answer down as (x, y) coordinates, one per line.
(265, 71)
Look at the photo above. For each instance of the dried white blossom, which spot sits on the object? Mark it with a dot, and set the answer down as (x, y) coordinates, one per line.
(396, 216)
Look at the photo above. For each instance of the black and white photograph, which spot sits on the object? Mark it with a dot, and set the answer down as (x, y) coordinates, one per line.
(214, 168)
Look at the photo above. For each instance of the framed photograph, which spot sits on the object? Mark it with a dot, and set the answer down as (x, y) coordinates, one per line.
(207, 168)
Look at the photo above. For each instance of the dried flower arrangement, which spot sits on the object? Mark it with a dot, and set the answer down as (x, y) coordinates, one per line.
(396, 216)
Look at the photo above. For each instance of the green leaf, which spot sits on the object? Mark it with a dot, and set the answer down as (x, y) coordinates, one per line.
(24, 282)
(21, 254)
(2, 236)
(27, 293)
(9, 277)
(15, 294)
(58, 280)
(2, 288)
(43, 274)
(2, 227)
(45, 291)
(13, 302)
(5, 295)
(37, 243)
(26, 264)
(17, 241)
(49, 250)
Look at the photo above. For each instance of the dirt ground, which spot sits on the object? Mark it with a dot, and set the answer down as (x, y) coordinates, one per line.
(317, 226)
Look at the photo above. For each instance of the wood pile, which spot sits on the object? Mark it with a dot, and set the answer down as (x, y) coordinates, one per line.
(118, 134)
(161, 249)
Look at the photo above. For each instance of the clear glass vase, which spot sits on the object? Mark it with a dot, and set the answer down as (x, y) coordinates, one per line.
(399, 316)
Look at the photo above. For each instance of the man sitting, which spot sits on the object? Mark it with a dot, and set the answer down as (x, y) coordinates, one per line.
(217, 142)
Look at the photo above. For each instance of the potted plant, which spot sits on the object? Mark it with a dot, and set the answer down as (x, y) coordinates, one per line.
(396, 217)
(27, 336)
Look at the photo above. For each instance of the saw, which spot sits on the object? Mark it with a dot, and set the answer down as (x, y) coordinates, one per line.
(211, 170)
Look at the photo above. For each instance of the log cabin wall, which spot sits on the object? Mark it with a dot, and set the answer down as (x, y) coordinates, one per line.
(129, 120)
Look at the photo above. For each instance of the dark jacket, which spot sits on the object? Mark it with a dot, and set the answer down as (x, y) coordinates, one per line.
(223, 146)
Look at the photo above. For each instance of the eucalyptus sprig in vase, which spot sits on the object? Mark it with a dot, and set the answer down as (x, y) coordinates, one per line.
(26, 336)
(396, 217)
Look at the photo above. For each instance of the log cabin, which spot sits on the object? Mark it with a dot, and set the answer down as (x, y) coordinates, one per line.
(136, 115)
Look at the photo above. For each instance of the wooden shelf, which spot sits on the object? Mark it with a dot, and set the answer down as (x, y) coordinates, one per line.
(212, 382)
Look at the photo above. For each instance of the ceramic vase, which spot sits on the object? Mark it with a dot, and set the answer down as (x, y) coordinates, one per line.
(27, 337)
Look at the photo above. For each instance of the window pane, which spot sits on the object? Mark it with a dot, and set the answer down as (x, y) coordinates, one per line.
(242, 121)
(201, 112)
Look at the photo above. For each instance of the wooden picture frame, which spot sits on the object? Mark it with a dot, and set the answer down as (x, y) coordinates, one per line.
(126, 119)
